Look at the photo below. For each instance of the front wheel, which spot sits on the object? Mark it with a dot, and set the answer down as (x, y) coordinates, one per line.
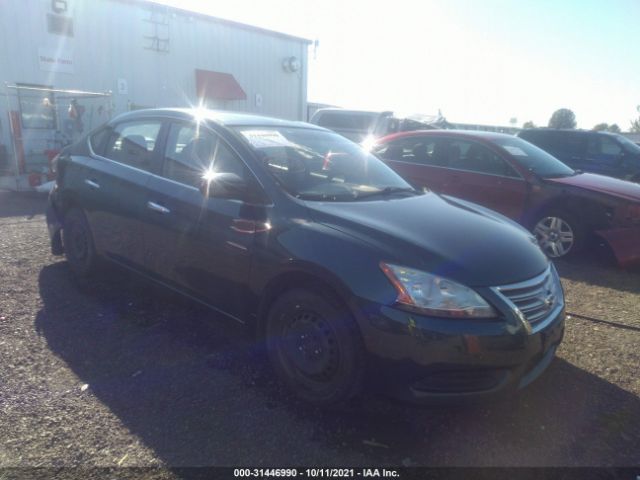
(559, 234)
(315, 347)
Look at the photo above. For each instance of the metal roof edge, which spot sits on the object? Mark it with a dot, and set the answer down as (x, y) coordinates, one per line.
(224, 21)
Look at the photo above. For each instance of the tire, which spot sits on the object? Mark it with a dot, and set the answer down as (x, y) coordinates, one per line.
(78, 243)
(315, 347)
(559, 233)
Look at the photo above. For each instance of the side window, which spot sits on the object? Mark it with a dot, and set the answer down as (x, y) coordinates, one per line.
(191, 151)
(419, 150)
(573, 143)
(603, 145)
(473, 157)
(133, 143)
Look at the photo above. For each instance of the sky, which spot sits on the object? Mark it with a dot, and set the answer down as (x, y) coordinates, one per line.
(477, 61)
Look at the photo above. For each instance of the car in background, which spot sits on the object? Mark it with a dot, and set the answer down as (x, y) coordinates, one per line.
(346, 271)
(363, 126)
(589, 151)
(356, 125)
(561, 206)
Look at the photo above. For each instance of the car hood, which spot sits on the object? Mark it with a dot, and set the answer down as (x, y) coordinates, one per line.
(602, 184)
(446, 236)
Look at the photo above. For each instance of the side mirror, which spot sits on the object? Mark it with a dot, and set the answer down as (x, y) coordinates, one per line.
(224, 185)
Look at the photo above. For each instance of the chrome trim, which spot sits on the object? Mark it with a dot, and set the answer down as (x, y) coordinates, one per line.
(157, 208)
(519, 177)
(92, 184)
(532, 301)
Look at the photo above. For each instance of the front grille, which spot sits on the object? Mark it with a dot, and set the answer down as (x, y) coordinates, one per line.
(534, 298)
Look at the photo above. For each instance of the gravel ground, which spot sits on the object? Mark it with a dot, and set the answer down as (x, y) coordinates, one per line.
(116, 372)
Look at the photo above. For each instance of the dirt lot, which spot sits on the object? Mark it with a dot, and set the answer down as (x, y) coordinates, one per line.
(118, 372)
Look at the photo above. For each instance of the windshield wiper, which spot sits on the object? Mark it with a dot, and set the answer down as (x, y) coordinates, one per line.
(389, 191)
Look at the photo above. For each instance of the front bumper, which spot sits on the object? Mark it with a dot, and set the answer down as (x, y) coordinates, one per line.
(433, 360)
(625, 244)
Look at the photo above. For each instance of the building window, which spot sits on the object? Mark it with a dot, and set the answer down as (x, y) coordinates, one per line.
(60, 25)
(37, 107)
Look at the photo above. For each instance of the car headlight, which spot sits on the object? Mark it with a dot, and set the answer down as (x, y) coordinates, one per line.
(434, 295)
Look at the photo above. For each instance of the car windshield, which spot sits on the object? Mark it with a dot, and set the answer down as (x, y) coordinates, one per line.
(533, 158)
(629, 146)
(320, 165)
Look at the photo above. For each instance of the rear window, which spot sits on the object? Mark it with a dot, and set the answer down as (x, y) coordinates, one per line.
(533, 158)
(354, 121)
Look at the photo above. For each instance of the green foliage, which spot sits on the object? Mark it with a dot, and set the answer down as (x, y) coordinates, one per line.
(563, 118)
(529, 124)
(605, 127)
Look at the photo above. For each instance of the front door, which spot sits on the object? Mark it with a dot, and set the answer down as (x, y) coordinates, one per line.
(604, 155)
(478, 174)
(420, 160)
(202, 244)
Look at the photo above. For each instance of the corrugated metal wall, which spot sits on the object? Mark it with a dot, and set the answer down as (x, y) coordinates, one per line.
(109, 44)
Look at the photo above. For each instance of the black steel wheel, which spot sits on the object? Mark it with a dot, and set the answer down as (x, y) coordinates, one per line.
(78, 243)
(315, 347)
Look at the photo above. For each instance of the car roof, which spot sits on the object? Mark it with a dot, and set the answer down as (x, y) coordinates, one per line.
(565, 130)
(347, 112)
(221, 117)
(470, 134)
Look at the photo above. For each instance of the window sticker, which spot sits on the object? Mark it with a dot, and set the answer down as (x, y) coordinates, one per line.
(266, 138)
(517, 151)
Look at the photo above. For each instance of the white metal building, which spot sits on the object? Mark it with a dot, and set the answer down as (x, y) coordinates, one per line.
(76, 63)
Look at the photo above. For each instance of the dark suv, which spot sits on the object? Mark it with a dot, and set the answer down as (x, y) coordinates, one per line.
(320, 248)
(589, 151)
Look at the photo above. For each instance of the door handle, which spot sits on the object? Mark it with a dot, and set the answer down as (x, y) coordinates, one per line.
(92, 184)
(157, 208)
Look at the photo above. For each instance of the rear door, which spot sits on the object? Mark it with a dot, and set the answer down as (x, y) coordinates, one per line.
(201, 244)
(478, 174)
(115, 180)
(420, 160)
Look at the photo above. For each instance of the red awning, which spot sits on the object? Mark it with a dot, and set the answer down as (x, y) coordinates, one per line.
(218, 86)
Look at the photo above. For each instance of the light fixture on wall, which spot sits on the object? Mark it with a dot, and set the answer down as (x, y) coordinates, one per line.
(59, 6)
(291, 64)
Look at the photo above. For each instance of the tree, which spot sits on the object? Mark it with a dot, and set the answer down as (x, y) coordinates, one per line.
(605, 127)
(563, 118)
(529, 124)
(635, 126)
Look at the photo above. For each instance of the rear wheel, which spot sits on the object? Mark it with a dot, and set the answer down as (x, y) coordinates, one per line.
(315, 347)
(559, 234)
(78, 243)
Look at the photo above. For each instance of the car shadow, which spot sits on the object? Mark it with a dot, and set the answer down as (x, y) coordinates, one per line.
(598, 267)
(22, 204)
(199, 392)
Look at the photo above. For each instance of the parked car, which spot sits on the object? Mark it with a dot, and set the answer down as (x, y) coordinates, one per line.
(363, 126)
(348, 272)
(561, 206)
(356, 125)
(589, 151)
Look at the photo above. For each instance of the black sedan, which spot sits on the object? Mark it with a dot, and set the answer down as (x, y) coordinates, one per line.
(348, 272)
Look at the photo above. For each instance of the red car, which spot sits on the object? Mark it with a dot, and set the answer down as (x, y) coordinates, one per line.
(561, 206)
